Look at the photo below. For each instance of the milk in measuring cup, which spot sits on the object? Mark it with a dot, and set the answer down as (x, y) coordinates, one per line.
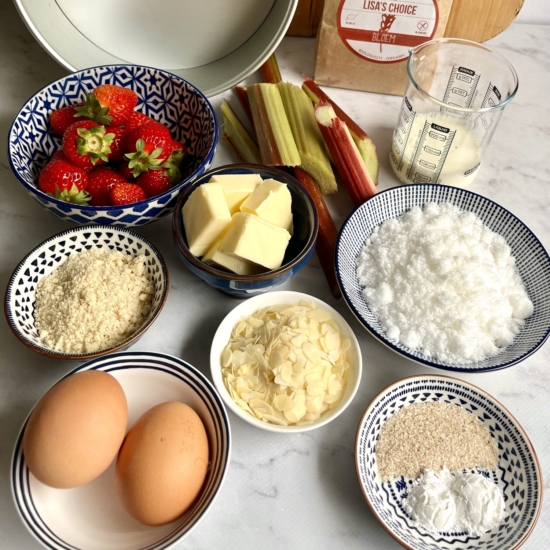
(434, 148)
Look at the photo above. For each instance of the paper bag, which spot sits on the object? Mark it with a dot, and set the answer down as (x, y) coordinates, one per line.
(364, 44)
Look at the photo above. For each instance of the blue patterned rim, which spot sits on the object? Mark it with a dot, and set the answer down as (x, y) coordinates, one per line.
(62, 204)
(519, 474)
(169, 364)
(443, 193)
(92, 229)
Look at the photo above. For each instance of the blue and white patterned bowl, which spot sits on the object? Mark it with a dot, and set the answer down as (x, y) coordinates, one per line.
(299, 250)
(532, 261)
(518, 475)
(47, 256)
(91, 517)
(162, 95)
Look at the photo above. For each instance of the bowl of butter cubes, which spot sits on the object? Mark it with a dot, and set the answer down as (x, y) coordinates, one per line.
(245, 228)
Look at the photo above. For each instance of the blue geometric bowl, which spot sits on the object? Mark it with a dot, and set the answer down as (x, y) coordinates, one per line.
(518, 475)
(299, 250)
(162, 96)
(532, 262)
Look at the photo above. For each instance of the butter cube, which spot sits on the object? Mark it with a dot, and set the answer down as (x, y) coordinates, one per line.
(256, 240)
(271, 201)
(236, 188)
(205, 216)
(233, 263)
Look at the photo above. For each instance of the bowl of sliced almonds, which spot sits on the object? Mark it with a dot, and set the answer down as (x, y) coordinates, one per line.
(286, 362)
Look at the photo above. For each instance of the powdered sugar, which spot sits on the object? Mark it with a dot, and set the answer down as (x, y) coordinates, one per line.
(441, 282)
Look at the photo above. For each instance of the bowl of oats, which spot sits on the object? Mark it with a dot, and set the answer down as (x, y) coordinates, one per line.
(286, 362)
(86, 292)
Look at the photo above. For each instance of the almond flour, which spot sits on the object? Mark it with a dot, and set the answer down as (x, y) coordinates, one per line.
(93, 301)
(433, 436)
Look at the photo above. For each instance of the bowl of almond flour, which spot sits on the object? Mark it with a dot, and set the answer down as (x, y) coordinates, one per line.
(442, 464)
(445, 277)
(86, 292)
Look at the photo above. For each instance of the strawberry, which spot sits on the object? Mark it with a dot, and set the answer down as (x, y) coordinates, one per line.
(154, 182)
(86, 144)
(61, 119)
(120, 101)
(126, 193)
(148, 147)
(118, 145)
(101, 181)
(135, 120)
(64, 181)
(126, 172)
(59, 155)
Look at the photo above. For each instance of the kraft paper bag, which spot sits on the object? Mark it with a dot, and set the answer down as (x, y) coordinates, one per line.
(364, 44)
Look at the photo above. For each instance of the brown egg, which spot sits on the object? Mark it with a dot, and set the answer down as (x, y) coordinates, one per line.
(76, 429)
(162, 463)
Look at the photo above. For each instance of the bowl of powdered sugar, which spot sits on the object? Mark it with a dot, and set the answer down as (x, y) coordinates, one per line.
(446, 278)
(86, 292)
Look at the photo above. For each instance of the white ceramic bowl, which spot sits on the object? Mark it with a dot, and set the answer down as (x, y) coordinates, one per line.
(91, 517)
(213, 44)
(518, 474)
(221, 338)
(21, 291)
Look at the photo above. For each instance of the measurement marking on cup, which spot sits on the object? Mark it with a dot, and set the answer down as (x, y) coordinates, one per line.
(429, 155)
(461, 87)
(404, 124)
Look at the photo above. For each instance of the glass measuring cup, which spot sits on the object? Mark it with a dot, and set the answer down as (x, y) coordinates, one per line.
(456, 94)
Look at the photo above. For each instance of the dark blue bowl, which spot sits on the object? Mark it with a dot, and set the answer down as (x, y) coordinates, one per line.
(300, 247)
(162, 95)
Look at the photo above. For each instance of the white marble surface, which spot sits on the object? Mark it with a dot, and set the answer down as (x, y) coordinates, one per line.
(301, 491)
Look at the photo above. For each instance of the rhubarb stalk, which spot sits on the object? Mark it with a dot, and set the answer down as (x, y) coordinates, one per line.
(362, 140)
(345, 154)
(270, 70)
(242, 96)
(328, 234)
(307, 136)
(277, 145)
(237, 138)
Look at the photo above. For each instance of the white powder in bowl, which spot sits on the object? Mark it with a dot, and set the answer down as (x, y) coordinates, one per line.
(93, 301)
(441, 282)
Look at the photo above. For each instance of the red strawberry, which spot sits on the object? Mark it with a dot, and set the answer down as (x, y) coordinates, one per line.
(126, 193)
(177, 146)
(120, 101)
(86, 144)
(64, 181)
(118, 145)
(101, 181)
(59, 155)
(126, 171)
(154, 182)
(61, 119)
(135, 120)
(148, 147)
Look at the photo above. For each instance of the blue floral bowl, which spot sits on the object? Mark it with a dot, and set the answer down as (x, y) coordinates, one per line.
(518, 473)
(299, 250)
(162, 96)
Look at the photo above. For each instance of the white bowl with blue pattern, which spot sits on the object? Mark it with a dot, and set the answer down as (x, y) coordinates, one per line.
(91, 517)
(532, 261)
(20, 296)
(518, 475)
(163, 96)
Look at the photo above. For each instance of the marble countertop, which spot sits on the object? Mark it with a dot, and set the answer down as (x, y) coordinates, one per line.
(297, 491)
